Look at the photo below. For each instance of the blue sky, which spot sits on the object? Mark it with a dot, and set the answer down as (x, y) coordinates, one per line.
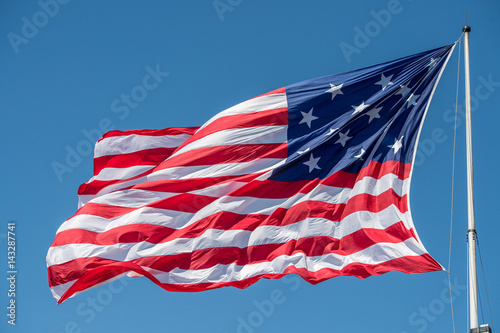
(66, 65)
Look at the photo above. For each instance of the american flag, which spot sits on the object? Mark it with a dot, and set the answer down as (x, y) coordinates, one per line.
(311, 179)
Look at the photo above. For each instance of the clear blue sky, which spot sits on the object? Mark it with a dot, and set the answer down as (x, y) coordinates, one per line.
(61, 82)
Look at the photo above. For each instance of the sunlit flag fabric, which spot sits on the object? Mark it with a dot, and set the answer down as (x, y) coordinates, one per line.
(311, 179)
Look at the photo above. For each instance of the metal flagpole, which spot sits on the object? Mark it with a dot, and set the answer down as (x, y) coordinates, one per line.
(471, 233)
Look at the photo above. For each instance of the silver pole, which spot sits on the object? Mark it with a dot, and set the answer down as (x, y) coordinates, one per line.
(471, 233)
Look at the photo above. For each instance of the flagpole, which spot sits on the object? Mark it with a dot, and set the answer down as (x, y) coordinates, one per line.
(471, 232)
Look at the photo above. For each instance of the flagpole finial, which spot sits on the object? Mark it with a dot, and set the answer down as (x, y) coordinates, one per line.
(466, 29)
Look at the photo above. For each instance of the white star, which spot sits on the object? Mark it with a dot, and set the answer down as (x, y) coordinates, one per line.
(312, 163)
(332, 130)
(343, 138)
(360, 154)
(308, 117)
(432, 63)
(404, 90)
(335, 90)
(359, 108)
(373, 113)
(397, 145)
(304, 151)
(412, 100)
(385, 81)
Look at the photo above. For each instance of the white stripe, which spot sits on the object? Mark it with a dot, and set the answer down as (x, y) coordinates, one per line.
(188, 172)
(373, 255)
(120, 173)
(217, 170)
(238, 136)
(85, 198)
(330, 194)
(216, 190)
(367, 185)
(146, 215)
(58, 291)
(178, 220)
(132, 198)
(262, 103)
(239, 205)
(211, 238)
(219, 190)
(125, 144)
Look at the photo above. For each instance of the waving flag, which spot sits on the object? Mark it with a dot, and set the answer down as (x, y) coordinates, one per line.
(311, 179)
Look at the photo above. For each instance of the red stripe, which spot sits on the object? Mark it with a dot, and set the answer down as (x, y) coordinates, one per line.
(191, 203)
(95, 186)
(192, 184)
(226, 220)
(100, 275)
(62, 273)
(184, 202)
(356, 203)
(226, 154)
(274, 117)
(377, 169)
(152, 132)
(262, 118)
(143, 157)
(103, 210)
(274, 189)
(206, 258)
(410, 265)
(168, 185)
(203, 156)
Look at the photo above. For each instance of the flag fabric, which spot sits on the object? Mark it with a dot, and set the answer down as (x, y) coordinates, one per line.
(311, 179)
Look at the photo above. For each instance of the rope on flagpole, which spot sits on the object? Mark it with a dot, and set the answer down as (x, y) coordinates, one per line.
(484, 279)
